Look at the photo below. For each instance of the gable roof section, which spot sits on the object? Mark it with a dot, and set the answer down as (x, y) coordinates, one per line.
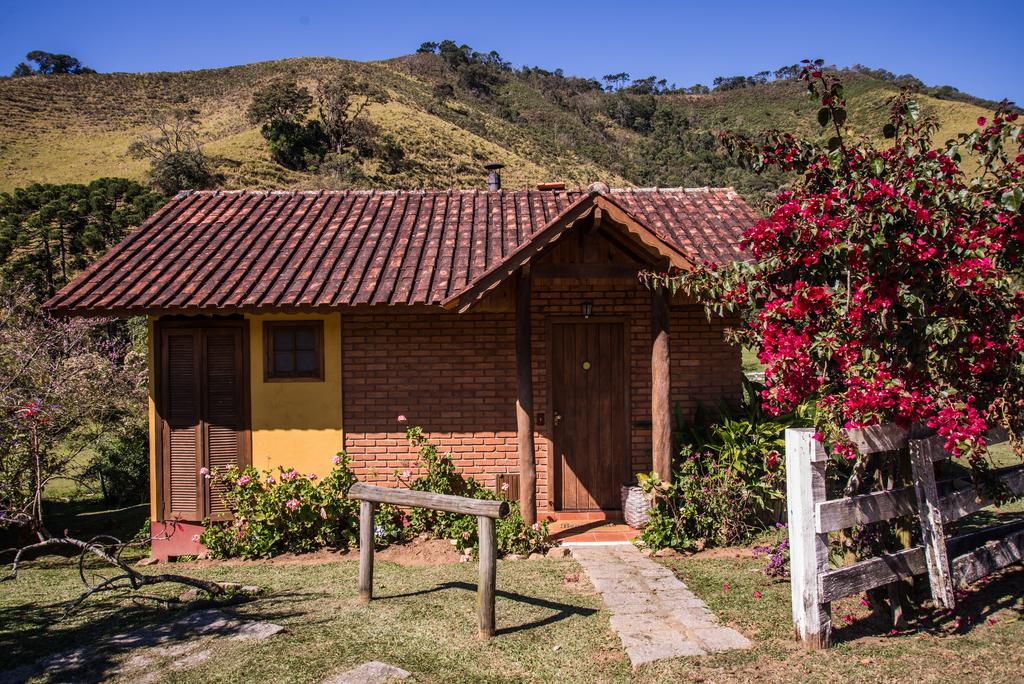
(223, 252)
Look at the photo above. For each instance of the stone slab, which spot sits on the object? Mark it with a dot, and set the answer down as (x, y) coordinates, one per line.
(373, 672)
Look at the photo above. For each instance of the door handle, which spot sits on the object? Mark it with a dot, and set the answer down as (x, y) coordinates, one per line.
(557, 418)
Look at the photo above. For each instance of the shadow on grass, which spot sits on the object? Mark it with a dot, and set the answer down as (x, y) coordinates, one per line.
(91, 644)
(975, 606)
(561, 610)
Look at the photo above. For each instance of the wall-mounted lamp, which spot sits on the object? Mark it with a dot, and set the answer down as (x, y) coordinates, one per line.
(588, 308)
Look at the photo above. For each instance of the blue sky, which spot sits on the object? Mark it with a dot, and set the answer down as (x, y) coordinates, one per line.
(973, 46)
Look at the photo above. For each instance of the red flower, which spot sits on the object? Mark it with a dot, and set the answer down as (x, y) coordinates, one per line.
(981, 121)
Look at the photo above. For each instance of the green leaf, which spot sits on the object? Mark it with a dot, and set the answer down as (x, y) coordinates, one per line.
(1012, 199)
(878, 166)
(840, 117)
(824, 116)
(834, 142)
(889, 130)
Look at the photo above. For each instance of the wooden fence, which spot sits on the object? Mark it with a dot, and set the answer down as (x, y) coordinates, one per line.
(485, 511)
(949, 562)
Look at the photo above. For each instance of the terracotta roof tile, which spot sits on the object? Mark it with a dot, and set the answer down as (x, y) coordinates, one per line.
(250, 251)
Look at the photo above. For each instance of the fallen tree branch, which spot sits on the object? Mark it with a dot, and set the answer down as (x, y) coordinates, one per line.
(128, 578)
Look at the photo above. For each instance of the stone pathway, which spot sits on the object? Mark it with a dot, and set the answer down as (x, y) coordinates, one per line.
(653, 613)
(180, 644)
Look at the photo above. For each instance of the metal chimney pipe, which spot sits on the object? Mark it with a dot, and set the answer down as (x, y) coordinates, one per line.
(494, 178)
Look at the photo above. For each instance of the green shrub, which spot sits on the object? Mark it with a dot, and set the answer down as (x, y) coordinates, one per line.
(292, 512)
(121, 466)
(512, 534)
(707, 503)
(727, 483)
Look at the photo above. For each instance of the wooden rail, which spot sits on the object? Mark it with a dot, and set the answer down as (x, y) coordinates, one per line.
(812, 516)
(485, 511)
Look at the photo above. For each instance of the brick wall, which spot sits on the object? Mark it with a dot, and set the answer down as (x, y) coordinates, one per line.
(454, 375)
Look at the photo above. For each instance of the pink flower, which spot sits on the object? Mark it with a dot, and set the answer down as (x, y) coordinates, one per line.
(465, 535)
(982, 120)
(292, 504)
(312, 476)
(406, 474)
(504, 486)
(864, 602)
(401, 418)
(270, 479)
(244, 480)
(725, 588)
(848, 619)
(290, 475)
(195, 538)
(205, 472)
(336, 460)
(757, 595)
(536, 527)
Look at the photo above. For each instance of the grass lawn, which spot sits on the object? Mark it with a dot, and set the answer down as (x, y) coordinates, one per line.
(552, 626)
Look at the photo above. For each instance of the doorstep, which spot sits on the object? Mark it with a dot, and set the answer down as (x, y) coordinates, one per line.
(596, 532)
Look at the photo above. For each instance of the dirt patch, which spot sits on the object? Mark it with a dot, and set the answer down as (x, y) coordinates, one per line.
(417, 552)
(421, 552)
(723, 552)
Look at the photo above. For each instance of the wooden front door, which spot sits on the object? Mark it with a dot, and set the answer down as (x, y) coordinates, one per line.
(588, 390)
(202, 395)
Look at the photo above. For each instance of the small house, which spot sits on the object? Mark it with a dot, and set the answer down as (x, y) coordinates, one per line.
(510, 325)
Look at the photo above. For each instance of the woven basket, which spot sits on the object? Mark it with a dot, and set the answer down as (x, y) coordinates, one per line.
(635, 506)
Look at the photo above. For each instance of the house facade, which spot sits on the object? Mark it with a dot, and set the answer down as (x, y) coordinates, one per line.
(510, 325)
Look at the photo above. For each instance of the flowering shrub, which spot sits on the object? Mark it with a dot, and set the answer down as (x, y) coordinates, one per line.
(65, 385)
(886, 283)
(512, 534)
(778, 556)
(288, 511)
(708, 502)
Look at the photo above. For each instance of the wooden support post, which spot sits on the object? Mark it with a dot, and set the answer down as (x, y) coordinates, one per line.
(366, 551)
(933, 535)
(524, 401)
(808, 550)
(488, 570)
(661, 409)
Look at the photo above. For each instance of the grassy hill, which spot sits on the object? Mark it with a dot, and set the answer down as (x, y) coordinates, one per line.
(76, 128)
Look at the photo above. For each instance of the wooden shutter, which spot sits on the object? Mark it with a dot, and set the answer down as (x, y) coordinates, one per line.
(182, 424)
(224, 424)
(203, 405)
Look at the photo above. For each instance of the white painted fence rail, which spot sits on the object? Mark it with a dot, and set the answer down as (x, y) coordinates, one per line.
(949, 562)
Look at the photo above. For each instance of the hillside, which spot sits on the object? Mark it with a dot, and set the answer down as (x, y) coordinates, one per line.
(543, 127)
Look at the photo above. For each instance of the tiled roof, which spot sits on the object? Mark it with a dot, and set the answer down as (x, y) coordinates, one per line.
(252, 251)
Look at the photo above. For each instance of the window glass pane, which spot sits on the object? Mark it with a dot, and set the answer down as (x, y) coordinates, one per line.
(305, 362)
(284, 339)
(283, 362)
(304, 338)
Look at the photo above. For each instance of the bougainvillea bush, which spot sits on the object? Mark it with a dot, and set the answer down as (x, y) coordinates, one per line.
(885, 283)
(285, 511)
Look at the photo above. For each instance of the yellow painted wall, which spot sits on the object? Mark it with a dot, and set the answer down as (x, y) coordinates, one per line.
(152, 419)
(296, 424)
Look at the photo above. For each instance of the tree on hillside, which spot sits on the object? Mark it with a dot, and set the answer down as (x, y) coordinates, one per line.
(336, 138)
(48, 233)
(48, 63)
(342, 102)
(281, 110)
(177, 159)
(616, 81)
